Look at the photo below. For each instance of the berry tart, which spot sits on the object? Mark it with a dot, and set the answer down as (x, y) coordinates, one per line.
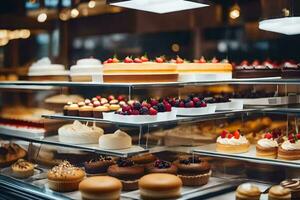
(193, 171)
(98, 165)
(232, 142)
(127, 172)
(163, 107)
(191, 106)
(290, 149)
(224, 103)
(202, 70)
(161, 166)
(267, 147)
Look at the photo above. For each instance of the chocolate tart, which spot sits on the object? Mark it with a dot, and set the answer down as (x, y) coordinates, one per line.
(98, 165)
(161, 166)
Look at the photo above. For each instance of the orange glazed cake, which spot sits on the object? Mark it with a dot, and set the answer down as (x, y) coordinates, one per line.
(202, 70)
(139, 70)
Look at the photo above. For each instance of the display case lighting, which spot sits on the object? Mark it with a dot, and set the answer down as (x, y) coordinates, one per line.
(284, 25)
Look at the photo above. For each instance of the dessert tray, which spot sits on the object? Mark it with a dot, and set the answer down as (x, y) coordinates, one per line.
(234, 104)
(209, 109)
(270, 101)
(210, 150)
(25, 132)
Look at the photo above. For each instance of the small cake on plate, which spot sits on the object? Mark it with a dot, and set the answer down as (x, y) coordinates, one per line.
(114, 141)
(98, 165)
(232, 143)
(290, 149)
(247, 191)
(126, 171)
(278, 192)
(65, 177)
(22, 169)
(193, 171)
(161, 166)
(100, 188)
(267, 147)
(160, 186)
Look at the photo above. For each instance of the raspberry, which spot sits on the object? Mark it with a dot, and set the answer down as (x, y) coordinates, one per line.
(229, 135)
(152, 111)
(268, 135)
(298, 136)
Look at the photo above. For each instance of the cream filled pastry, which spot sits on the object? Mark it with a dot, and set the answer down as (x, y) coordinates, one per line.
(116, 140)
(267, 147)
(232, 143)
(290, 149)
(78, 133)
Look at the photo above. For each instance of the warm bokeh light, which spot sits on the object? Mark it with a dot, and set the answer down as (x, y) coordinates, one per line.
(42, 17)
(235, 11)
(3, 41)
(74, 13)
(92, 4)
(63, 16)
(175, 47)
(24, 33)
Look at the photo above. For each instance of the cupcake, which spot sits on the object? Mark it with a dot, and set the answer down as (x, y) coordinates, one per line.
(247, 191)
(114, 107)
(293, 185)
(267, 147)
(278, 192)
(127, 172)
(22, 169)
(65, 177)
(161, 166)
(72, 110)
(86, 111)
(144, 158)
(98, 165)
(193, 171)
(97, 111)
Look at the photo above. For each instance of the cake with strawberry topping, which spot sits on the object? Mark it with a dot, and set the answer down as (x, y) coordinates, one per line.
(202, 70)
(139, 69)
(232, 142)
(290, 149)
(267, 147)
(290, 70)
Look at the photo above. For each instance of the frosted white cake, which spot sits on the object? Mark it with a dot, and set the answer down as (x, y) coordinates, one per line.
(87, 66)
(116, 140)
(44, 67)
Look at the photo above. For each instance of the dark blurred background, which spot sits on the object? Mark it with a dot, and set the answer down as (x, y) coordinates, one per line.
(67, 30)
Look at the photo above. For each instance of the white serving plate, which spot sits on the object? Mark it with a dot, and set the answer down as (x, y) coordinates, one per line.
(232, 105)
(209, 109)
(162, 116)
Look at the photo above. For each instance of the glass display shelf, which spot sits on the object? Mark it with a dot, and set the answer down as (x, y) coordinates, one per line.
(210, 150)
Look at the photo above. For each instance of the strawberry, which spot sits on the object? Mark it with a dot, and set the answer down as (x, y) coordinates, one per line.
(298, 136)
(110, 97)
(159, 60)
(144, 58)
(268, 135)
(229, 135)
(153, 102)
(110, 60)
(203, 104)
(179, 60)
(120, 98)
(236, 134)
(214, 60)
(115, 60)
(196, 99)
(224, 133)
(135, 112)
(181, 104)
(128, 60)
(126, 108)
(168, 107)
(244, 62)
(98, 97)
(138, 60)
(145, 104)
(152, 111)
(202, 60)
(291, 136)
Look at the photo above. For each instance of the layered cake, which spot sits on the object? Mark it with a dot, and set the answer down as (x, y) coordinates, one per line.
(232, 143)
(44, 70)
(290, 70)
(139, 70)
(256, 70)
(267, 147)
(202, 70)
(86, 70)
(290, 149)
(78, 133)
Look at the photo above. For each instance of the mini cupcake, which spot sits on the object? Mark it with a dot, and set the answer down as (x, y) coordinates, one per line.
(86, 111)
(161, 166)
(98, 165)
(73, 110)
(98, 111)
(193, 171)
(144, 158)
(127, 172)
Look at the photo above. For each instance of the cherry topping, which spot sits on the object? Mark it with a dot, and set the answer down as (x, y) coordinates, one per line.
(161, 164)
(268, 135)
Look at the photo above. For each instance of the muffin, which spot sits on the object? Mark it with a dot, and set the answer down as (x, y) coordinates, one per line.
(161, 166)
(278, 192)
(144, 158)
(100, 188)
(72, 110)
(65, 177)
(247, 191)
(22, 169)
(98, 165)
(97, 111)
(193, 171)
(127, 172)
(86, 111)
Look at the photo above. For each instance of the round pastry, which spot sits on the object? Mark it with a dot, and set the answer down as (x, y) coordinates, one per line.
(232, 143)
(22, 169)
(267, 147)
(144, 158)
(127, 172)
(193, 171)
(161, 166)
(117, 140)
(160, 186)
(293, 185)
(98, 165)
(73, 110)
(100, 188)
(289, 150)
(78, 133)
(97, 111)
(86, 111)
(278, 192)
(247, 191)
(65, 177)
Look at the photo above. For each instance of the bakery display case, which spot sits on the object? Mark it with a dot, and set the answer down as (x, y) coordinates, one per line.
(215, 136)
